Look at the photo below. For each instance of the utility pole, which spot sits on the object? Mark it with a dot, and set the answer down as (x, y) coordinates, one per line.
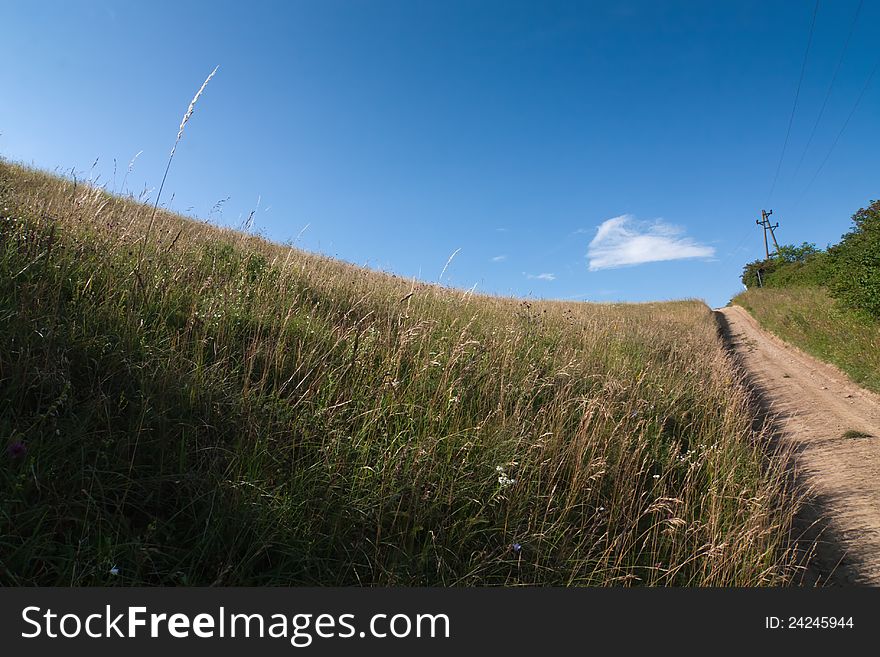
(767, 226)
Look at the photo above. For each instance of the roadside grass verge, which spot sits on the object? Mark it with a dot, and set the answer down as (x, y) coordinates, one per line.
(812, 320)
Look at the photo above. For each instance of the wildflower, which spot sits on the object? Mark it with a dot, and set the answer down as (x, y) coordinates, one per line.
(16, 450)
(114, 570)
(516, 547)
(656, 476)
(503, 479)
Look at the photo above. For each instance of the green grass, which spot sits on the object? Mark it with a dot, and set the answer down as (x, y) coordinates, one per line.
(809, 318)
(236, 412)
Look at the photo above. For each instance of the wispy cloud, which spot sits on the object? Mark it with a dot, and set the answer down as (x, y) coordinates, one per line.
(541, 277)
(622, 241)
(499, 258)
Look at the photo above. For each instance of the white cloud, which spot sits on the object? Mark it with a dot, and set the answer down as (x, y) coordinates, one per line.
(541, 277)
(623, 241)
(499, 258)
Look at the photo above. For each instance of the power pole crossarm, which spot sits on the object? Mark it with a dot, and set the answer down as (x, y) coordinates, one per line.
(773, 235)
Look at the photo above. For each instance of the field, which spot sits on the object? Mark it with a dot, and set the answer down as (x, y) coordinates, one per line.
(189, 405)
(811, 319)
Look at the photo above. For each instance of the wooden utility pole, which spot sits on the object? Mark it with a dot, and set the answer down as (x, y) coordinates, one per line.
(763, 223)
(767, 226)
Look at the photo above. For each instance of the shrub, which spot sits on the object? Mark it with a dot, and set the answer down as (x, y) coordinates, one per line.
(855, 263)
(790, 265)
(755, 273)
(812, 272)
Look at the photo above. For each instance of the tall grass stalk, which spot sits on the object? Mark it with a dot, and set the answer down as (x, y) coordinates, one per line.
(186, 117)
(446, 266)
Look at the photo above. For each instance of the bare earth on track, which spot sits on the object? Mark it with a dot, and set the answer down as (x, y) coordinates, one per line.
(813, 405)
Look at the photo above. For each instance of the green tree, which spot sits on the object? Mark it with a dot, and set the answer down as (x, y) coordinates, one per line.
(856, 262)
(790, 265)
(790, 253)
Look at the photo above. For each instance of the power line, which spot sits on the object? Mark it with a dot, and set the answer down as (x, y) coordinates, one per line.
(794, 107)
(745, 235)
(842, 129)
(830, 88)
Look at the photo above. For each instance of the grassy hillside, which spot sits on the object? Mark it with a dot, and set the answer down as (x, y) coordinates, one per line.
(226, 411)
(810, 318)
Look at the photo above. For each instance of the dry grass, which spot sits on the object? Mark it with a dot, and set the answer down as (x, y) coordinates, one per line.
(266, 416)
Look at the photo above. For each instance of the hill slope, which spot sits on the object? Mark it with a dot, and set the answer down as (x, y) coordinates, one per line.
(224, 410)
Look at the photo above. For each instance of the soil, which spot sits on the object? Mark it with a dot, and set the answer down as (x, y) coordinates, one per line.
(833, 426)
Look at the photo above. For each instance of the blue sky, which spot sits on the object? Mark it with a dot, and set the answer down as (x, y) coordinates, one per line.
(515, 135)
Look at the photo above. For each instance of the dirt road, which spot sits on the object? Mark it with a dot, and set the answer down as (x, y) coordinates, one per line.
(814, 406)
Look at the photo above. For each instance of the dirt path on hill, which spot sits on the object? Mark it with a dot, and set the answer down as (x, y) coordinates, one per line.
(813, 405)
